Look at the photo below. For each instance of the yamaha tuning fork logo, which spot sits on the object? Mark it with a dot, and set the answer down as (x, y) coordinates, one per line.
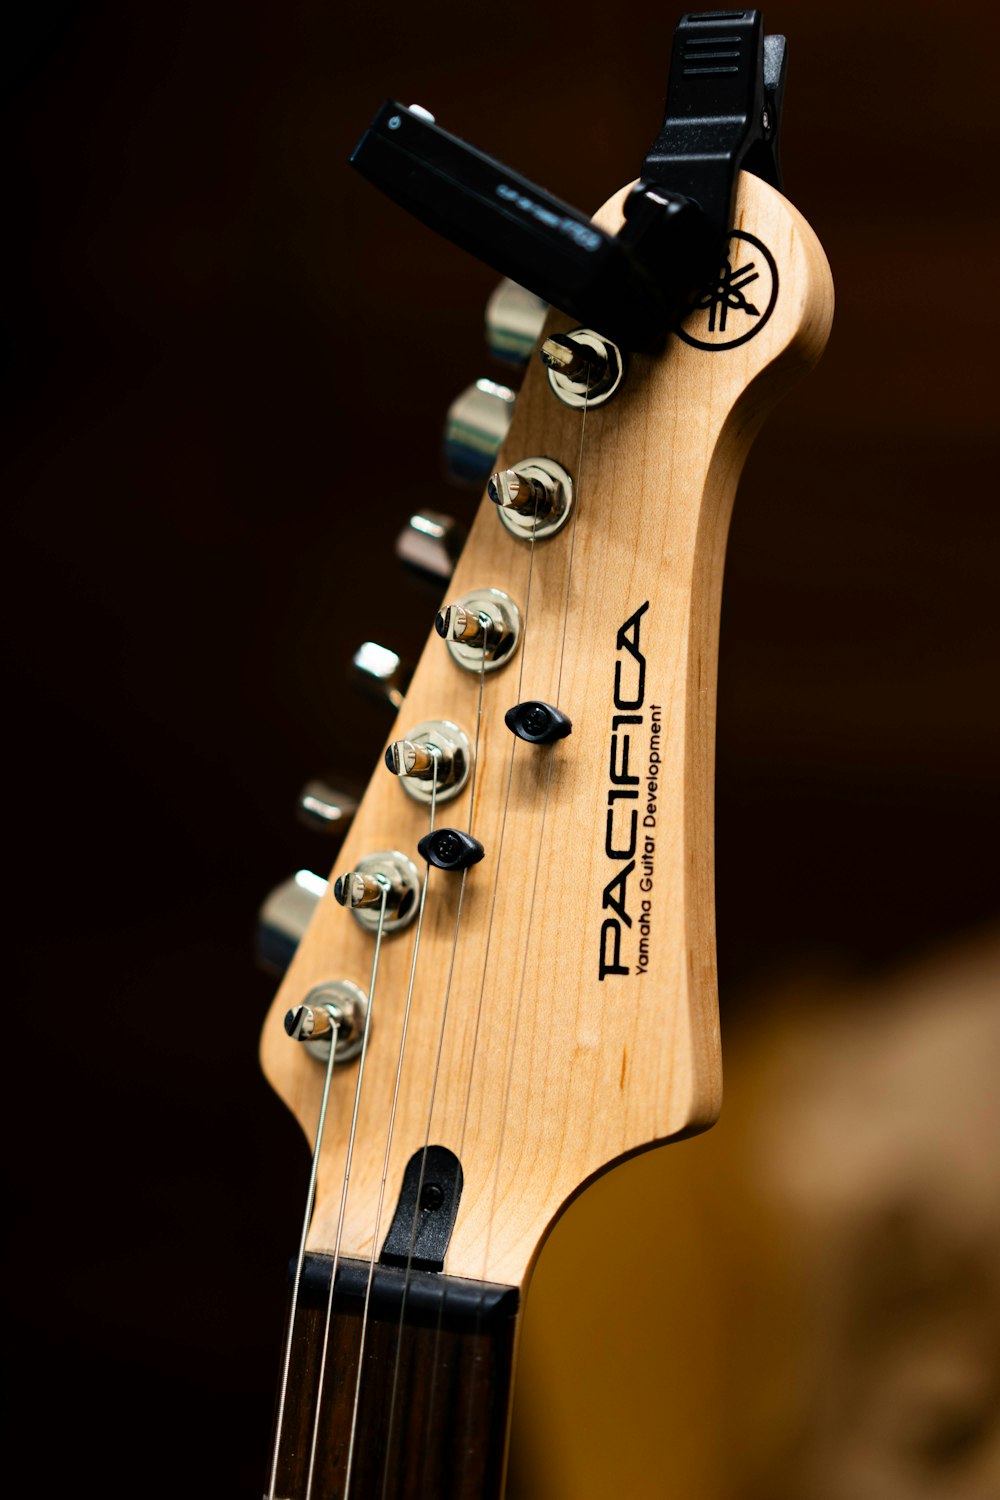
(735, 307)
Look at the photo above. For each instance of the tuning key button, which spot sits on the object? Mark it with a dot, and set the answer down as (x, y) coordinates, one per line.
(584, 369)
(514, 319)
(433, 761)
(284, 917)
(481, 629)
(381, 672)
(430, 543)
(450, 849)
(325, 808)
(538, 723)
(475, 429)
(533, 497)
(388, 874)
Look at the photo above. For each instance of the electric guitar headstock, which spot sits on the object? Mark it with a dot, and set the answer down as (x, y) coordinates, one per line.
(509, 983)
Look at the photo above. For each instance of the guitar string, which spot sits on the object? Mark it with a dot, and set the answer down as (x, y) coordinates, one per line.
(500, 843)
(479, 1010)
(300, 1258)
(347, 1177)
(475, 747)
(388, 1150)
(434, 1083)
(540, 847)
(512, 1049)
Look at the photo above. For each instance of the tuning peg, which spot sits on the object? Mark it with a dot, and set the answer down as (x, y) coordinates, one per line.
(533, 497)
(335, 1008)
(514, 319)
(430, 542)
(381, 672)
(584, 369)
(284, 917)
(382, 890)
(481, 629)
(474, 430)
(325, 808)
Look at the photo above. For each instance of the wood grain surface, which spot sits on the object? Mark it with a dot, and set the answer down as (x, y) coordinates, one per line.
(549, 1073)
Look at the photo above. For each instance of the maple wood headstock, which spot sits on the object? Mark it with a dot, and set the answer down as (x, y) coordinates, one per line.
(581, 1016)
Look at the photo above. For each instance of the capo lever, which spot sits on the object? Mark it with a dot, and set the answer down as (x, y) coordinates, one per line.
(723, 113)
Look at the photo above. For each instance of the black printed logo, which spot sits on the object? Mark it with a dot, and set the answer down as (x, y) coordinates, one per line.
(739, 302)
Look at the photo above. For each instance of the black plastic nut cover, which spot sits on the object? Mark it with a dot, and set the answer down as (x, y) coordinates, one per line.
(538, 723)
(450, 849)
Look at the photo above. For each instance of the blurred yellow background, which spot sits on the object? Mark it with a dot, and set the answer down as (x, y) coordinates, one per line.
(803, 1303)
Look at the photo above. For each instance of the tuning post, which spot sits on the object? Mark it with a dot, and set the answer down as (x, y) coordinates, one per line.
(533, 497)
(469, 627)
(433, 762)
(406, 758)
(355, 889)
(481, 630)
(387, 875)
(336, 1008)
(584, 369)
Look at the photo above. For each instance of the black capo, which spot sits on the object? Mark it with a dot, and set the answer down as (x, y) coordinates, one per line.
(723, 114)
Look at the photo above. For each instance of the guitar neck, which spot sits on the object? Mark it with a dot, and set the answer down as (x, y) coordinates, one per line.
(433, 1397)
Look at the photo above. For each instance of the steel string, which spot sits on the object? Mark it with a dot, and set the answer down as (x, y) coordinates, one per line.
(300, 1258)
(388, 1149)
(486, 958)
(434, 1083)
(534, 889)
(347, 1177)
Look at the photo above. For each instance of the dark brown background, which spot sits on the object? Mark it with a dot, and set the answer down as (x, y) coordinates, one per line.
(225, 362)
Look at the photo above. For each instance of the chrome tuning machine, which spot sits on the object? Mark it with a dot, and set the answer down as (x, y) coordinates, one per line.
(514, 320)
(326, 808)
(584, 369)
(533, 497)
(337, 1007)
(481, 630)
(387, 875)
(381, 672)
(430, 543)
(433, 761)
(475, 429)
(283, 918)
